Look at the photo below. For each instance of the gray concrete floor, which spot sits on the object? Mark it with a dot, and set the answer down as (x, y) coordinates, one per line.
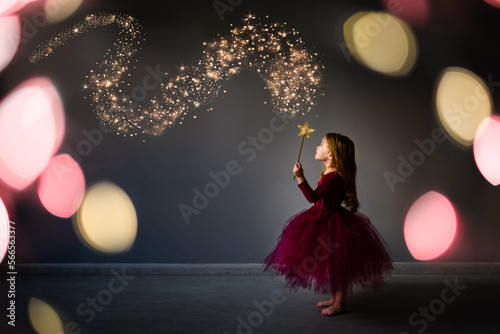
(160, 304)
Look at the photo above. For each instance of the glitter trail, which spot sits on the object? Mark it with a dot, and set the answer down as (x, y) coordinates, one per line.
(276, 52)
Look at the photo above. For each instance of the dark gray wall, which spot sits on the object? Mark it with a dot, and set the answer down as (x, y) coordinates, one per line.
(383, 115)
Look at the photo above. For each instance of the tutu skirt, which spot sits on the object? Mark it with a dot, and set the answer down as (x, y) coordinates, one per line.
(330, 251)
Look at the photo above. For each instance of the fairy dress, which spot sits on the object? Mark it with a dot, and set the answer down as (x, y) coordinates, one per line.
(328, 246)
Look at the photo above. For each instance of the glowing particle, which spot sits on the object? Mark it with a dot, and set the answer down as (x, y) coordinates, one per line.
(290, 71)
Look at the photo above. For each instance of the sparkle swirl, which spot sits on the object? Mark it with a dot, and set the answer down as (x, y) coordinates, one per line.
(292, 73)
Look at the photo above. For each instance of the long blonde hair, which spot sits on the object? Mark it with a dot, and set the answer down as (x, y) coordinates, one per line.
(343, 159)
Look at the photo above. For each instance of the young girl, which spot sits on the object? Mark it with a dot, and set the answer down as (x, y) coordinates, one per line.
(331, 246)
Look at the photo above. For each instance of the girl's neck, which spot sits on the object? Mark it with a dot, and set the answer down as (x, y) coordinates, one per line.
(329, 170)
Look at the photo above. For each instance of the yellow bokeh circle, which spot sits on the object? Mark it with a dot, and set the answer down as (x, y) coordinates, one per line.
(43, 318)
(463, 101)
(381, 42)
(106, 219)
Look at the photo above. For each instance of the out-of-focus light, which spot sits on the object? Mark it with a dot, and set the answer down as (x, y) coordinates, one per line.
(494, 3)
(43, 318)
(487, 149)
(31, 130)
(61, 186)
(462, 102)
(10, 35)
(430, 226)
(106, 219)
(413, 12)
(8, 7)
(4, 230)
(381, 42)
(58, 10)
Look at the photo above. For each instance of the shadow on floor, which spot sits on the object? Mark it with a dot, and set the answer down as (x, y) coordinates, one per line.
(161, 304)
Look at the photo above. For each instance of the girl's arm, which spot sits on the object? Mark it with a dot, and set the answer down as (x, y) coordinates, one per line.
(331, 184)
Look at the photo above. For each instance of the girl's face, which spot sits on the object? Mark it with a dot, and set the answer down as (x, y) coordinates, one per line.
(322, 152)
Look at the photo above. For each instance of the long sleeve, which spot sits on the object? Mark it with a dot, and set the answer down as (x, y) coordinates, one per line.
(331, 187)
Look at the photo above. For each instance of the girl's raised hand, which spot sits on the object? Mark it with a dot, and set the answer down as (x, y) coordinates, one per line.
(297, 170)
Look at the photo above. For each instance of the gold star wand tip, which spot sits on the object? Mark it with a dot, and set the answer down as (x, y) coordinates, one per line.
(305, 130)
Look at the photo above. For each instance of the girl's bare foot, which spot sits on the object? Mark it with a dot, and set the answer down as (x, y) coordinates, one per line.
(332, 310)
(326, 303)
(337, 306)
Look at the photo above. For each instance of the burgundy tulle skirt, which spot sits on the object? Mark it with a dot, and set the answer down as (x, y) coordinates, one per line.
(330, 251)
